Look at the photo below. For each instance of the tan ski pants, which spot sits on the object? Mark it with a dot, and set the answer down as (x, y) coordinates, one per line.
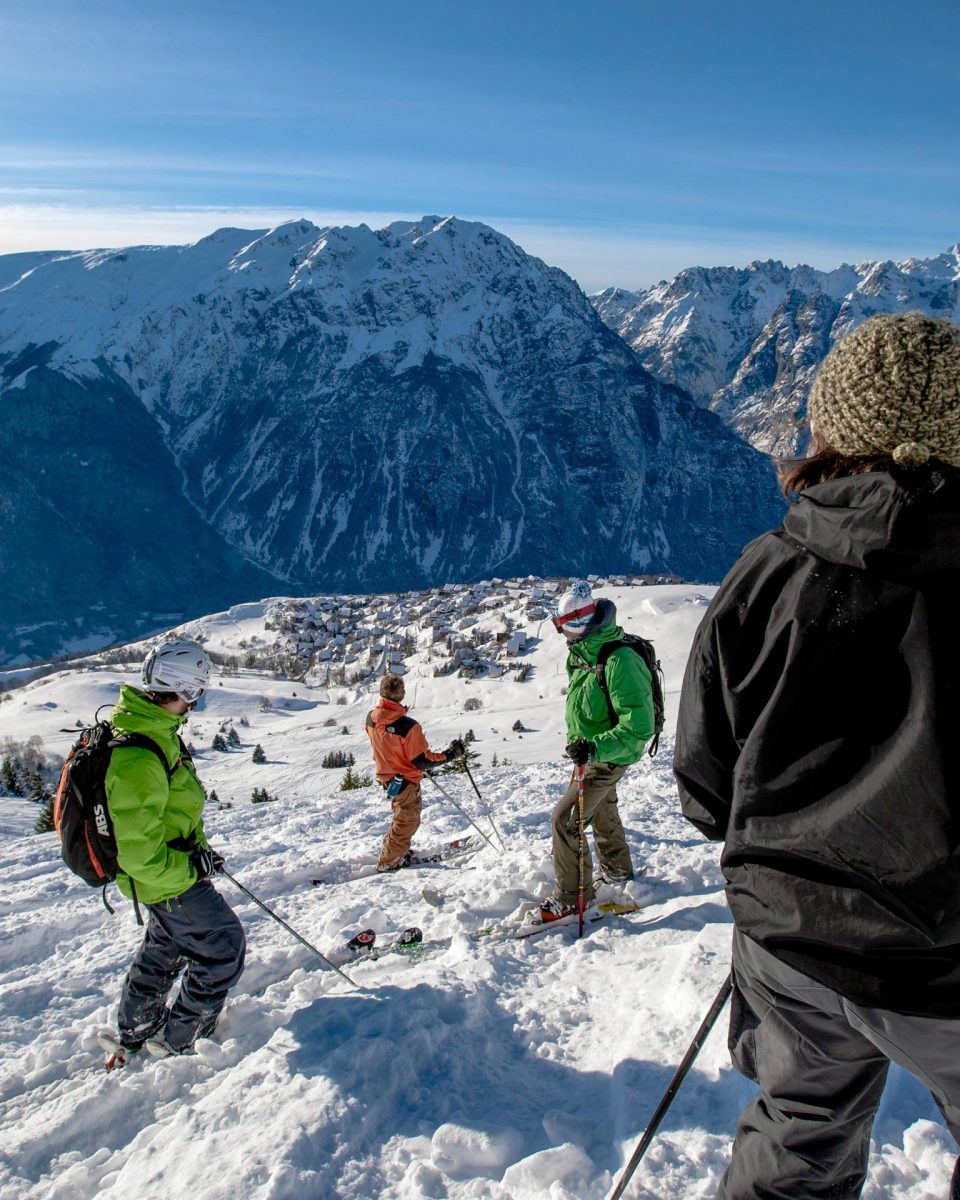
(406, 822)
(600, 812)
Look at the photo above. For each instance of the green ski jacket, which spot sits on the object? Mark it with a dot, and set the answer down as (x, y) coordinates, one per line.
(147, 811)
(628, 682)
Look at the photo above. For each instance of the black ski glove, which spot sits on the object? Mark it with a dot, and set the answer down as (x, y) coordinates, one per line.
(456, 749)
(206, 862)
(580, 751)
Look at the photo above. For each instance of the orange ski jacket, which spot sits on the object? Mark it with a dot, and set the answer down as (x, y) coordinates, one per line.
(399, 747)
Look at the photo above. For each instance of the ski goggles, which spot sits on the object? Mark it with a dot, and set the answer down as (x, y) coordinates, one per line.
(575, 614)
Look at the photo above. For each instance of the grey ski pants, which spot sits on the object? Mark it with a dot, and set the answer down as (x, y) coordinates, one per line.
(197, 931)
(821, 1062)
(600, 812)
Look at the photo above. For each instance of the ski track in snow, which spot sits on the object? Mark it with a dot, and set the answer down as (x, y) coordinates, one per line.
(491, 1069)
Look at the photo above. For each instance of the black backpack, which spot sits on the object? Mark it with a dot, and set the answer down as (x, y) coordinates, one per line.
(645, 649)
(81, 815)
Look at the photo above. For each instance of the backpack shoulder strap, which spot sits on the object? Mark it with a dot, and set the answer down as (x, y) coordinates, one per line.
(602, 656)
(140, 741)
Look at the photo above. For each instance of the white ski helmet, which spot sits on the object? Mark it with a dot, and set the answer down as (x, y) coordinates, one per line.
(179, 667)
(575, 609)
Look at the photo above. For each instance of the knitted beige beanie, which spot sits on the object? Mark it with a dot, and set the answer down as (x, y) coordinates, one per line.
(391, 687)
(892, 386)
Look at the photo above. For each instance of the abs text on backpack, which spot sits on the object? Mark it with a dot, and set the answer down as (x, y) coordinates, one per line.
(81, 815)
(644, 648)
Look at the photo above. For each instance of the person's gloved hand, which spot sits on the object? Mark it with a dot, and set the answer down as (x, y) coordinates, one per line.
(206, 862)
(456, 749)
(580, 751)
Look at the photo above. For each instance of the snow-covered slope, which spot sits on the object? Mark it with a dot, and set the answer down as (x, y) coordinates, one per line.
(489, 1069)
(746, 343)
(340, 408)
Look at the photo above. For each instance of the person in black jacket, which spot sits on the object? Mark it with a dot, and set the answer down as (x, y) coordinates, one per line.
(815, 739)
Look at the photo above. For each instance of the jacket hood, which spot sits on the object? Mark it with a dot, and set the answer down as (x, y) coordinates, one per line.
(880, 524)
(605, 616)
(134, 713)
(387, 711)
(587, 648)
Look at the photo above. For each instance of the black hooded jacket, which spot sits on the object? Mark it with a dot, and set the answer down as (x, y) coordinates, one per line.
(816, 738)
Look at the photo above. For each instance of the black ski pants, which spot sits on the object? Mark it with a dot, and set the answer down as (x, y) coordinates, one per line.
(196, 933)
(820, 1061)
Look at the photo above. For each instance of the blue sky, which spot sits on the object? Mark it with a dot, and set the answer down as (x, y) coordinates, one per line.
(619, 139)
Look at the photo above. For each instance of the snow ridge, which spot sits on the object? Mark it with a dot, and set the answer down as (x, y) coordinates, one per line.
(487, 1069)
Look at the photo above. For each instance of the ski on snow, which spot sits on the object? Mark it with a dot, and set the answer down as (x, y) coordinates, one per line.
(366, 946)
(361, 868)
(596, 912)
(528, 926)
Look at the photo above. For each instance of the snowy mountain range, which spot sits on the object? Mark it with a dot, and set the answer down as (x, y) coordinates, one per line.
(747, 343)
(342, 408)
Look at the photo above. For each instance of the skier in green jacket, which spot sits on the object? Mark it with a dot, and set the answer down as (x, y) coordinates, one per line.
(166, 862)
(602, 747)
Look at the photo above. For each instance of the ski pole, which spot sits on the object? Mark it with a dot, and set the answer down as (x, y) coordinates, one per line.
(483, 804)
(460, 810)
(667, 1099)
(280, 921)
(581, 848)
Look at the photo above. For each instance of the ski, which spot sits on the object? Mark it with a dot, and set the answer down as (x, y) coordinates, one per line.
(350, 870)
(596, 912)
(530, 926)
(117, 1055)
(365, 945)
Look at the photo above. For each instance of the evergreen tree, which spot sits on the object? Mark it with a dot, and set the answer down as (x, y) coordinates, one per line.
(517, 726)
(233, 738)
(219, 742)
(45, 819)
(258, 754)
(352, 780)
(10, 776)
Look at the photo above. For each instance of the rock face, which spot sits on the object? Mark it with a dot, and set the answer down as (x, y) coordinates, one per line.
(746, 344)
(338, 409)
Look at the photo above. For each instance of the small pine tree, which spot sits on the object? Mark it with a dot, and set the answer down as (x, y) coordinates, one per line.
(494, 762)
(233, 738)
(258, 754)
(11, 777)
(262, 796)
(517, 726)
(45, 819)
(352, 780)
(219, 742)
(344, 730)
(469, 737)
(244, 722)
(213, 798)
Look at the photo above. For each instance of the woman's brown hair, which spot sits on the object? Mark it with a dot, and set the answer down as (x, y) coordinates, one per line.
(824, 463)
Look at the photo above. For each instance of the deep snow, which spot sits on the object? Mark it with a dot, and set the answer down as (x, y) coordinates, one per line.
(490, 1069)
